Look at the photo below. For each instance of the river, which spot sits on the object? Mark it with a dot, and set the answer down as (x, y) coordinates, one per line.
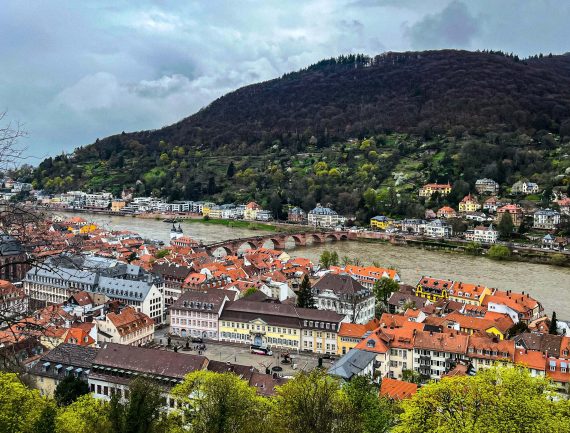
(549, 284)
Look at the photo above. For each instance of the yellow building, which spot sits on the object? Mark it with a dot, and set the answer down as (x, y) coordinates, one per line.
(431, 188)
(117, 205)
(469, 204)
(215, 212)
(207, 208)
(281, 327)
(381, 222)
(250, 211)
(433, 289)
(64, 360)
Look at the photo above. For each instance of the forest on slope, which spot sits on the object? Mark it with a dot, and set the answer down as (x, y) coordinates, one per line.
(336, 130)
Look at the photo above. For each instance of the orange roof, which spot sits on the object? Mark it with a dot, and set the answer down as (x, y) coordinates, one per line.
(530, 359)
(502, 348)
(375, 342)
(468, 198)
(510, 208)
(78, 336)
(371, 273)
(437, 185)
(355, 330)
(397, 389)
(129, 320)
(452, 342)
(518, 302)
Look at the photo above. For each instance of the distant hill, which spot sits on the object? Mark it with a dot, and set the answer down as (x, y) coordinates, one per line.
(406, 100)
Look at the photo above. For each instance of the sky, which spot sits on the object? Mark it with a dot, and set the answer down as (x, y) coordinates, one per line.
(74, 71)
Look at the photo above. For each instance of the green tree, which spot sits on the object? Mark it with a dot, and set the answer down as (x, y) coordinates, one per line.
(325, 259)
(499, 252)
(496, 400)
(86, 415)
(69, 390)
(46, 421)
(221, 403)
(312, 403)
(250, 291)
(334, 258)
(383, 289)
(305, 297)
(506, 226)
(231, 171)
(553, 329)
(142, 410)
(372, 414)
(20, 407)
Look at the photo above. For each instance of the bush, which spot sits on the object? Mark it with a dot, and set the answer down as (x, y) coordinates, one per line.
(559, 259)
(499, 252)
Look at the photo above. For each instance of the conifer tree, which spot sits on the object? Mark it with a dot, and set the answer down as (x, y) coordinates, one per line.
(305, 295)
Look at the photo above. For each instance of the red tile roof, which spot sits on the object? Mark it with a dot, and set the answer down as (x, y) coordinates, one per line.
(397, 389)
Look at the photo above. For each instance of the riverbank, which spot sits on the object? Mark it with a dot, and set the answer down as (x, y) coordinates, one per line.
(514, 254)
(249, 225)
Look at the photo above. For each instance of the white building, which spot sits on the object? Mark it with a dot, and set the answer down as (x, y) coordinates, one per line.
(486, 186)
(100, 200)
(546, 219)
(324, 217)
(438, 229)
(415, 226)
(345, 295)
(482, 234)
(125, 327)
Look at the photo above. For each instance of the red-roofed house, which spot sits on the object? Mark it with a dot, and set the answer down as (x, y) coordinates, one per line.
(397, 390)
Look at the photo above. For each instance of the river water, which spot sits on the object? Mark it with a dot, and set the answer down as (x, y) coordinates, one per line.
(549, 284)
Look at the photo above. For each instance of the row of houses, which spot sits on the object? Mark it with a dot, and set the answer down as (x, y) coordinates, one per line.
(482, 186)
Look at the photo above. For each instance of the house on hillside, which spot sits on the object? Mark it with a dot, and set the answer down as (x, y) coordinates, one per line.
(431, 188)
(486, 186)
(546, 219)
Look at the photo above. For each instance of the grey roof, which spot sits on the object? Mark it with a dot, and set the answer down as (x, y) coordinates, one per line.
(9, 245)
(194, 300)
(71, 354)
(125, 289)
(351, 364)
(66, 275)
(547, 212)
(340, 284)
(319, 210)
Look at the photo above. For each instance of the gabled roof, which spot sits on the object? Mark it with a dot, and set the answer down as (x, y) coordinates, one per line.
(352, 364)
(339, 284)
(397, 389)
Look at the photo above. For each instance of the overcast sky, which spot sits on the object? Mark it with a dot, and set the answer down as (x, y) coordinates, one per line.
(73, 71)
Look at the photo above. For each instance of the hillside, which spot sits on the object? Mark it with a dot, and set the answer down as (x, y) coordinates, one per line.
(438, 115)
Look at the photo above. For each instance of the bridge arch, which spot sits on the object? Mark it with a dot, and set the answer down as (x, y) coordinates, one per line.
(248, 244)
(221, 251)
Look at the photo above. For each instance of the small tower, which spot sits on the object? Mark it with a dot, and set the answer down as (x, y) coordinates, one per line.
(179, 231)
(173, 232)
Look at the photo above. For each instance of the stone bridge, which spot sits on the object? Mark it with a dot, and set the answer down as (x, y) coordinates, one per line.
(279, 240)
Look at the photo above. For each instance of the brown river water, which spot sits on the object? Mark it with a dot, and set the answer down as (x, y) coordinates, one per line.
(549, 284)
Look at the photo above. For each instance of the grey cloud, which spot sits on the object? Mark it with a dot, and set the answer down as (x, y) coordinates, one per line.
(453, 27)
(76, 71)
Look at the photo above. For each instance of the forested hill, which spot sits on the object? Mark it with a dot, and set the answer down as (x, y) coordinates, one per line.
(423, 95)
